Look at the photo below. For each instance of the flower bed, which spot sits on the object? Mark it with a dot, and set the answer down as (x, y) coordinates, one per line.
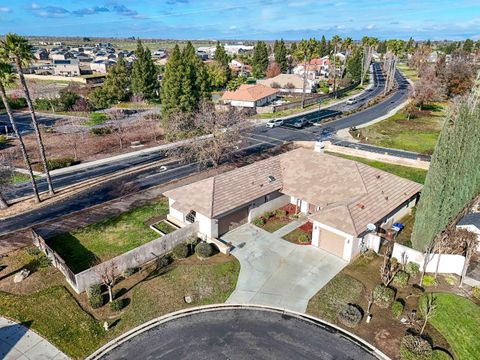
(301, 235)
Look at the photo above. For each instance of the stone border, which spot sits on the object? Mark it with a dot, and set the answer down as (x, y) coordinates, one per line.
(104, 350)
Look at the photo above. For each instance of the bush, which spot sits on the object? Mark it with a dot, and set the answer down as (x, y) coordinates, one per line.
(203, 250)
(129, 272)
(268, 214)
(383, 296)
(59, 163)
(43, 261)
(33, 251)
(95, 301)
(303, 238)
(350, 316)
(280, 213)
(258, 221)
(450, 280)
(401, 279)
(476, 292)
(162, 262)
(415, 348)
(397, 309)
(100, 131)
(96, 118)
(94, 290)
(181, 251)
(117, 305)
(429, 280)
(412, 268)
(440, 355)
(44, 104)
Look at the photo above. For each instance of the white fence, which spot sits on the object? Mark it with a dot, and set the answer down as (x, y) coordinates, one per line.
(268, 206)
(449, 264)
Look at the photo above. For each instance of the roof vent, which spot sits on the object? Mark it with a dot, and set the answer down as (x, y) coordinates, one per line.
(361, 206)
(271, 178)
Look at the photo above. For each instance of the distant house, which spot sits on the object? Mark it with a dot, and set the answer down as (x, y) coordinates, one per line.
(101, 66)
(61, 55)
(289, 83)
(41, 54)
(69, 67)
(471, 222)
(250, 96)
(160, 53)
(202, 55)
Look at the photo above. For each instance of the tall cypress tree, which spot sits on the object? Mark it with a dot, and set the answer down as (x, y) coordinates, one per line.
(144, 74)
(172, 83)
(260, 59)
(281, 55)
(117, 82)
(453, 179)
(222, 57)
(323, 47)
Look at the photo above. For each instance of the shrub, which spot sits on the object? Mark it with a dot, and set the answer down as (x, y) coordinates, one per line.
(293, 216)
(33, 251)
(412, 268)
(303, 238)
(163, 261)
(401, 279)
(383, 296)
(44, 104)
(258, 221)
(397, 309)
(43, 261)
(203, 250)
(268, 214)
(280, 213)
(476, 292)
(129, 272)
(96, 118)
(95, 301)
(100, 131)
(415, 348)
(440, 355)
(94, 290)
(181, 251)
(59, 163)
(117, 305)
(350, 316)
(429, 280)
(450, 280)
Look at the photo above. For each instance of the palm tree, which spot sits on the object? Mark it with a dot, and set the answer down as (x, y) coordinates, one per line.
(7, 78)
(306, 50)
(16, 49)
(336, 39)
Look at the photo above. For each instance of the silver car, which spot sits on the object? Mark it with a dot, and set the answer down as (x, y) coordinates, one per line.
(274, 123)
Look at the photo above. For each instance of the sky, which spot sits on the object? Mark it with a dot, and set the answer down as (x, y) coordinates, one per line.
(245, 19)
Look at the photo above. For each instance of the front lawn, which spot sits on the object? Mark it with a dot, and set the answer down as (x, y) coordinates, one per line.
(274, 223)
(414, 174)
(107, 239)
(301, 235)
(458, 320)
(417, 134)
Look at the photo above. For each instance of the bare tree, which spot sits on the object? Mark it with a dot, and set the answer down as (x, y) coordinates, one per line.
(428, 89)
(427, 257)
(107, 271)
(428, 310)
(388, 270)
(118, 126)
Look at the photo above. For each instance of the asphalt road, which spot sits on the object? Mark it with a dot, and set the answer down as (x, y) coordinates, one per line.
(259, 139)
(240, 334)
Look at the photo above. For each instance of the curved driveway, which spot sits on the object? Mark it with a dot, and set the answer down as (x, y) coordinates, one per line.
(239, 333)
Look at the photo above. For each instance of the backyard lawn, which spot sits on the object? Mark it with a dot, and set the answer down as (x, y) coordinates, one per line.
(414, 174)
(458, 320)
(418, 134)
(107, 239)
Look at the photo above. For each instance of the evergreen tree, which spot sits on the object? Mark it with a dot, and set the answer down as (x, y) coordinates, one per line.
(382, 47)
(354, 64)
(260, 59)
(322, 47)
(222, 57)
(144, 73)
(468, 46)
(293, 48)
(281, 55)
(172, 82)
(453, 179)
(114, 89)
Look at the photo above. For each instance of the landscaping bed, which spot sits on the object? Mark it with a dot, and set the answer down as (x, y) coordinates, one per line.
(301, 235)
(272, 221)
(164, 227)
(104, 240)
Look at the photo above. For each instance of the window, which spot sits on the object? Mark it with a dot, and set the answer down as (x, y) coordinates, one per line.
(271, 178)
(191, 217)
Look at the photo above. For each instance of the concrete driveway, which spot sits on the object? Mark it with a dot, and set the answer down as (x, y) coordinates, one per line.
(277, 273)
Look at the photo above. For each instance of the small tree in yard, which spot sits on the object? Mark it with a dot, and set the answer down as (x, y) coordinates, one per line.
(388, 269)
(107, 272)
(427, 308)
(428, 256)
(117, 126)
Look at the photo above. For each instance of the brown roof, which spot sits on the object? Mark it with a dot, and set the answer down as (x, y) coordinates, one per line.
(250, 92)
(349, 194)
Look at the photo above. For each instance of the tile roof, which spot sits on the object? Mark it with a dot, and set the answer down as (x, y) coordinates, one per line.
(249, 92)
(470, 219)
(283, 80)
(350, 194)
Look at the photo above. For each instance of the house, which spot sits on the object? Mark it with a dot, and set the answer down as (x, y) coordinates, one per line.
(339, 196)
(289, 83)
(101, 66)
(160, 53)
(202, 55)
(61, 55)
(471, 222)
(315, 67)
(41, 54)
(250, 96)
(69, 67)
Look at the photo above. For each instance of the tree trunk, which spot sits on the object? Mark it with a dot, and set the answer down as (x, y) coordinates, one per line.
(20, 140)
(110, 293)
(363, 68)
(41, 147)
(304, 79)
(335, 72)
(438, 264)
(423, 327)
(3, 202)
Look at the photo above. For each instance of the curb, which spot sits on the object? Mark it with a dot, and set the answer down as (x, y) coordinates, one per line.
(104, 350)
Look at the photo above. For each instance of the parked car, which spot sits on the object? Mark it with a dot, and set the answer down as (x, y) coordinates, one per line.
(351, 101)
(274, 123)
(300, 123)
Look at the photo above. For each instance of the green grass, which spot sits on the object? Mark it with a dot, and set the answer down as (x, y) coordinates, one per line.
(96, 119)
(418, 134)
(55, 314)
(458, 320)
(414, 174)
(429, 280)
(341, 290)
(109, 238)
(408, 71)
(295, 235)
(164, 227)
(274, 224)
(19, 178)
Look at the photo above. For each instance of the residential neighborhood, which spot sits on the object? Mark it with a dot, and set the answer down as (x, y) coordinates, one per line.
(261, 180)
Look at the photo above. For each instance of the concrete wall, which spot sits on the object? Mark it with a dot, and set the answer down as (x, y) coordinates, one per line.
(135, 257)
(56, 78)
(449, 264)
(277, 202)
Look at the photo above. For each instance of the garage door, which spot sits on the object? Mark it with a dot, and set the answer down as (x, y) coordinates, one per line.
(332, 242)
(233, 220)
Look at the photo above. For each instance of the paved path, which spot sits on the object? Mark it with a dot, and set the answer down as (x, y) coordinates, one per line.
(290, 227)
(18, 342)
(275, 272)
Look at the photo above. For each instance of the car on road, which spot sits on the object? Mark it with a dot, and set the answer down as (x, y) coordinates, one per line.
(274, 123)
(351, 101)
(300, 123)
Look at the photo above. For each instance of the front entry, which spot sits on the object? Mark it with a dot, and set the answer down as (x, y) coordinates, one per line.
(232, 220)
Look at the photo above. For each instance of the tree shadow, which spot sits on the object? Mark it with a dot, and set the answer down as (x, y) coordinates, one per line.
(11, 335)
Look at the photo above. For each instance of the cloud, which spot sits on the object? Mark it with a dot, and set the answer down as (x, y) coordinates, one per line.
(370, 26)
(90, 11)
(124, 11)
(49, 11)
(175, 2)
(5, 10)
(233, 27)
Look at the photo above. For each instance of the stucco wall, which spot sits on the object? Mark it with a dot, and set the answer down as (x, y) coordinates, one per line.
(273, 204)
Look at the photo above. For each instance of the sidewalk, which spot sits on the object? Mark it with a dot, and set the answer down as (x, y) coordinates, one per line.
(18, 342)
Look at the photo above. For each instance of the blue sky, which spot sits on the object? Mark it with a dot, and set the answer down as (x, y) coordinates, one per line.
(246, 19)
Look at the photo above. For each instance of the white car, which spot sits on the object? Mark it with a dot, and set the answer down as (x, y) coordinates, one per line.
(274, 123)
(351, 101)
